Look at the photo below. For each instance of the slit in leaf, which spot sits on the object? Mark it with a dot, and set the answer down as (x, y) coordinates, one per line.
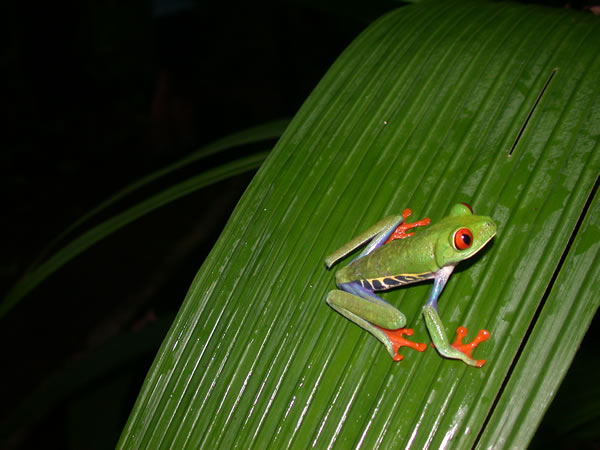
(540, 307)
(535, 104)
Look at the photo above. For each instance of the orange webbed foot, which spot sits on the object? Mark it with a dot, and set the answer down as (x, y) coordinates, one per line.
(397, 340)
(400, 231)
(461, 332)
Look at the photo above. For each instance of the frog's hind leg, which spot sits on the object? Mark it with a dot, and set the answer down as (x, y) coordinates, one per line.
(375, 236)
(375, 315)
(384, 231)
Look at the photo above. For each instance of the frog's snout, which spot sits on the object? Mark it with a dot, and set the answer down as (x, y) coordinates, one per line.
(490, 227)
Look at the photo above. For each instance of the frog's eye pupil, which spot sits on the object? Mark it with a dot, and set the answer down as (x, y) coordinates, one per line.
(463, 239)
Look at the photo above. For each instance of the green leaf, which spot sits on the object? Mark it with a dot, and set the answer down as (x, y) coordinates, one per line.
(494, 104)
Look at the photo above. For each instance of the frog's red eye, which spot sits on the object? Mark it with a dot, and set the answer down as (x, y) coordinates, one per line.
(463, 239)
(468, 206)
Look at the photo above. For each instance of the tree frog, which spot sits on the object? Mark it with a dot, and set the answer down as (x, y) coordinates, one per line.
(394, 258)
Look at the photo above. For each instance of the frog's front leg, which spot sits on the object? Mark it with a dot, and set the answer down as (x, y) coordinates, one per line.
(375, 315)
(457, 350)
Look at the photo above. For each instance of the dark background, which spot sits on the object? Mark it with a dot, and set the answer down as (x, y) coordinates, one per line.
(96, 95)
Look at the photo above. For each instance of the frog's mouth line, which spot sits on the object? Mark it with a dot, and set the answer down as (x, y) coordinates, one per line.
(482, 245)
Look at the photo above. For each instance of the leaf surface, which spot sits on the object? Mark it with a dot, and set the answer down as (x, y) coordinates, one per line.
(493, 104)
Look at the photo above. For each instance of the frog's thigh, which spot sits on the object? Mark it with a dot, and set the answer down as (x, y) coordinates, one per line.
(366, 311)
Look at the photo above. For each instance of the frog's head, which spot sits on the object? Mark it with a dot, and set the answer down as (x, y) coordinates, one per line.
(461, 234)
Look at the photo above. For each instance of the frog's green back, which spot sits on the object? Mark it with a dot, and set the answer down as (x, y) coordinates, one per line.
(402, 258)
(417, 257)
(492, 103)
